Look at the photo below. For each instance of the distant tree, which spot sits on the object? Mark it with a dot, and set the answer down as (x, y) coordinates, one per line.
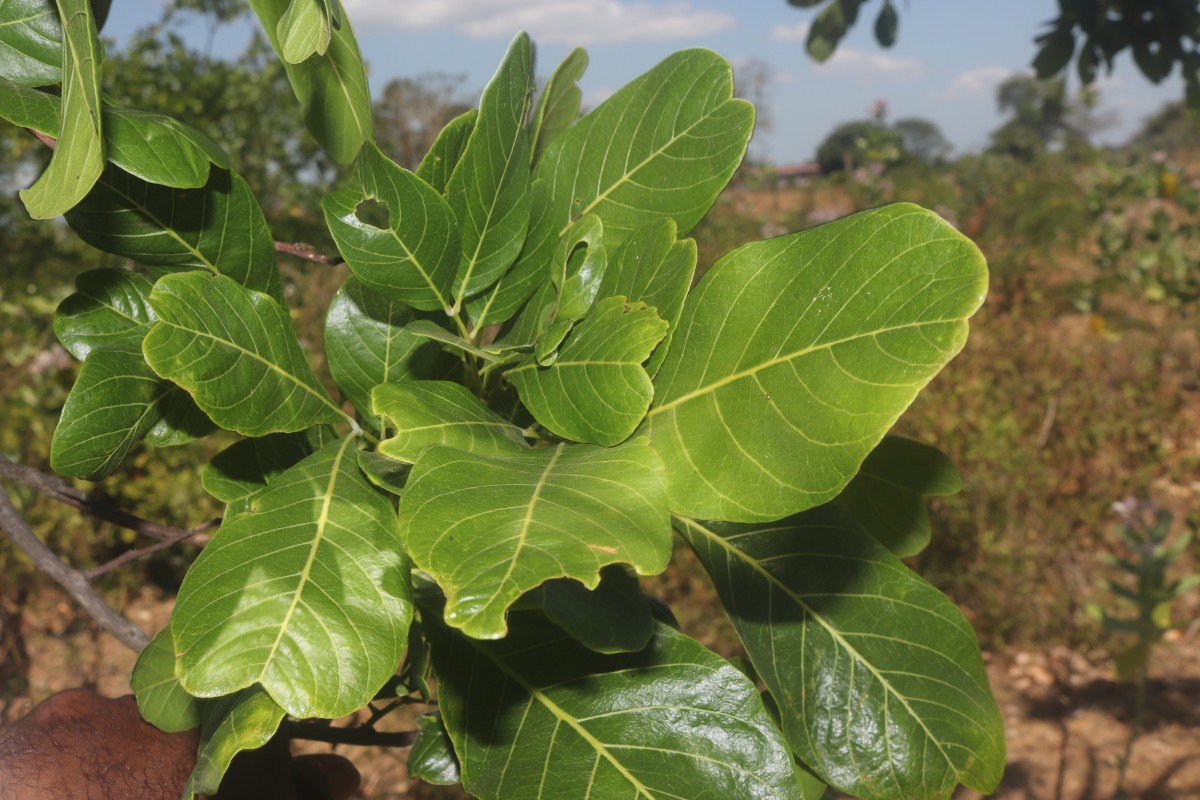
(412, 111)
(1040, 114)
(855, 144)
(1172, 128)
(921, 140)
(752, 80)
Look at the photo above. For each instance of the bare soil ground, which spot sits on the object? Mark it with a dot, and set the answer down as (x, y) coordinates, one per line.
(1067, 721)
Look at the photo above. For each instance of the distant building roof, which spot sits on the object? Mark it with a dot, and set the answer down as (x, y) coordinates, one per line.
(798, 170)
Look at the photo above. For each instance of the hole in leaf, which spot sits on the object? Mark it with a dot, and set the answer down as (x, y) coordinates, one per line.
(374, 213)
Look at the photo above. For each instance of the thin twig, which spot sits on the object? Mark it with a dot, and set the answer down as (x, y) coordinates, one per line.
(133, 555)
(57, 489)
(307, 252)
(367, 737)
(69, 578)
(1047, 422)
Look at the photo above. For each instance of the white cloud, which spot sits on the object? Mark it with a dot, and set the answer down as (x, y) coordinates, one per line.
(790, 33)
(580, 22)
(848, 61)
(980, 82)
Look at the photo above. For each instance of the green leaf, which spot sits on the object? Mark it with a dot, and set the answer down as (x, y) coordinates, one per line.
(489, 188)
(505, 298)
(247, 466)
(887, 496)
(180, 421)
(883, 692)
(558, 106)
(1057, 47)
(426, 413)
(30, 42)
(886, 24)
(366, 344)
(108, 305)
(307, 593)
(657, 270)
(415, 258)
(795, 356)
(161, 700)
(537, 714)
(596, 390)
(432, 756)
(304, 30)
(113, 404)
(78, 157)
(243, 721)
(612, 618)
(219, 227)
(488, 528)
(335, 100)
(386, 473)
(236, 353)
(829, 27)
(447, 150)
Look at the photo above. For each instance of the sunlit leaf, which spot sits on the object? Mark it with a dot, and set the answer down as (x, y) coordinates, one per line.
(236, 353)
(882, 690)
(307, 593)
(558, 105)
(243, 721)
(432, 756)
(447, 150)
(537, 714)
(108, 305)
(161, 700)
(30, 42)
(420, 414)
(305, 29)
(794, 356)
(488, 528)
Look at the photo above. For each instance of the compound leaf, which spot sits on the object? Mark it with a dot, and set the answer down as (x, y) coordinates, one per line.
(236, 353)
(108, 305)
(306, 593)
(883, 692)
(30, 42)
(243, 721)
(795, 356)
(425, 413)
(537, 714)
(489, 528)
(161, 700)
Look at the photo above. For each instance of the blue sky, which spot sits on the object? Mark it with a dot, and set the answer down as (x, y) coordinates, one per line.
(945, 66)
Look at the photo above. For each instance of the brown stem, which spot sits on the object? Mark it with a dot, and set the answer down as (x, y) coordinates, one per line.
(133, 555)
(367, 737)
(69, 578)
(57, 489)
(307, 252)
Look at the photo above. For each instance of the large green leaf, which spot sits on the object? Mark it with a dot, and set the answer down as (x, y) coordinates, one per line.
(488, 528)
(108, 305)
(219, 227)
(447, 150)
(887, 496)
(558, 106)
(537, 715)
(414, 259)
(882, 690)
(161, 700)
(596, 390)
(247, 466)
(307, 593)
(78, 157)
(612, 618)
(794, 356)
(421, 414)
(489, 188)
(236, 353)
(243, 721)
(332, 87)
(367, 344)
(30, 42)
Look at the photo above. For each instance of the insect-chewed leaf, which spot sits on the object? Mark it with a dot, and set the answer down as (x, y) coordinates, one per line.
(78, 158)
(447, 150)
(614, 617)
(243, 721)
(871, 645)
(596, 390)
(335, 99)
(161, 700)
(30, 42)
(219, 227)
(421, 414)
(415, 258)
(488, 528)
(236, 353)
(887, 496)
(794, 356)
(307, 593)
(558, 105)
(537, 714)
(489, 188)
(108, 305)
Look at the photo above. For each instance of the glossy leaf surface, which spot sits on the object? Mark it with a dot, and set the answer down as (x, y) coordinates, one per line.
(882, 690)
(432, 757)
(79, 155)
(489, 528)
(887, 496)
(596, 390)
(414, 259)
(236, 353)
(794, 357)
(243, 721)
(420, 414)
(161, 700)
(108, 305)
(307, 593)
(30, 42)
(537, 714)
